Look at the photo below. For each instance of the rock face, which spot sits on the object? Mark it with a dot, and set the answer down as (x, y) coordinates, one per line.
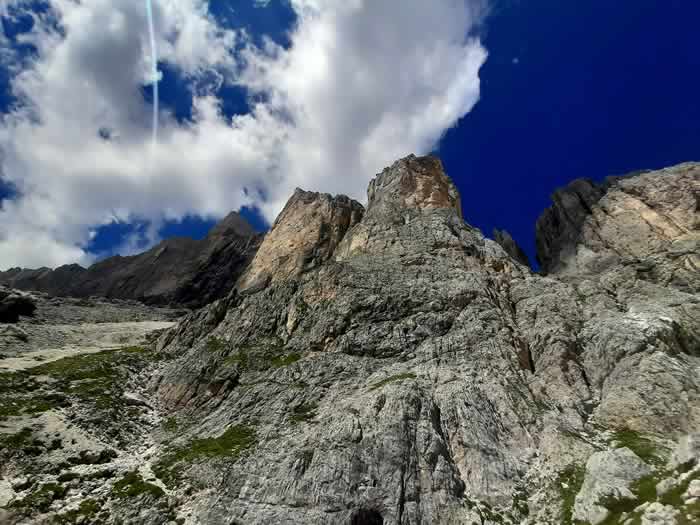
(304, 235)
(392, 365)
(609, 475)
(652, 216)
(413, 372)
(177, 271)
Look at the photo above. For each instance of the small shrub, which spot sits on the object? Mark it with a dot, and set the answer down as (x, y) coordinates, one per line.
(132, 485)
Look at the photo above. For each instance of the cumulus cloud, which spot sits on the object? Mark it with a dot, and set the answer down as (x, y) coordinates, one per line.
(362, 84)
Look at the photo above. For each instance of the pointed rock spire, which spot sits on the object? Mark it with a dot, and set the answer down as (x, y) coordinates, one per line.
(304, 235)
(412, 182)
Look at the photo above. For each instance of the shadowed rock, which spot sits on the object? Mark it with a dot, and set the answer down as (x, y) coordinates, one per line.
(14, 304)
(511, 247)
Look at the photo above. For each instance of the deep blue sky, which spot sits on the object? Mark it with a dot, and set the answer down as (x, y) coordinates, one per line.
(599, 88)
(570, 89)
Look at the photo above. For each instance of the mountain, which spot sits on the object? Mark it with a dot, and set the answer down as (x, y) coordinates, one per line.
(178, 271)
(389, 364)
(393, 365)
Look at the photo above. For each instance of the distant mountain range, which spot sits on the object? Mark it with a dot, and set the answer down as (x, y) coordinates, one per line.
(178, 271)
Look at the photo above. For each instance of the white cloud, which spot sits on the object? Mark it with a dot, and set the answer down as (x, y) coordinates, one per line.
(363, 83)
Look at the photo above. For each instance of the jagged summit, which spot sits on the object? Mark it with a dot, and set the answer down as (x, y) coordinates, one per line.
(591, 227)
(412, 182)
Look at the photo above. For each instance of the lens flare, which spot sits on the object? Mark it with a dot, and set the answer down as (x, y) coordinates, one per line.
(154, 70)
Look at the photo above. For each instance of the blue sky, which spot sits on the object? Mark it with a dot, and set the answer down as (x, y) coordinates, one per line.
(567, 90)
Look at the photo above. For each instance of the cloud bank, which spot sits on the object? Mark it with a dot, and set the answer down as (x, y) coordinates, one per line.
(362, 84)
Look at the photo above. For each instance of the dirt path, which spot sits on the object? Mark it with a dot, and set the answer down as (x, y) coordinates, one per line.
(83, 339)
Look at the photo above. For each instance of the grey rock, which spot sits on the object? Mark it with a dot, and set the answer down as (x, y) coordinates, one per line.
(659, 514)
(686, 452)
(511, 247)
(391, 364)
(15, 304)
(412, 366)
(609, 475)
(693, 490)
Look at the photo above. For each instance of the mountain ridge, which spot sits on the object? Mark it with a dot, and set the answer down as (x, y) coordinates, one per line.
(179, 270)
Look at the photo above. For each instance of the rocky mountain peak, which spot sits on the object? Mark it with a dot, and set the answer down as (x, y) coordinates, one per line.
(412, 182)
(233, 223)
(594, 226)
(305, 233)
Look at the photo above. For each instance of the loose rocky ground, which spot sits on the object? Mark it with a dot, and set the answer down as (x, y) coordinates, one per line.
(75, 430)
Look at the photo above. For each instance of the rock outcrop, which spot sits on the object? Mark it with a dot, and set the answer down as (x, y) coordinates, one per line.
(304, 235)
(650, 218)
(178, 271)
(14, 303)
(511, 247)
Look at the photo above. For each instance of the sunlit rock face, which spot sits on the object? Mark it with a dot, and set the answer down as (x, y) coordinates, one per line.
(304, 235)
(593, 226)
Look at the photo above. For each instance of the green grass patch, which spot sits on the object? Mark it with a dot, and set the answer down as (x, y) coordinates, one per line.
(94, 379)
(303, 412)
(132, 485)
(641, 445)
(284, 360)
(645, 491)
(99, 365)
(214, 344)
(16, 441)
(170, 424)
(21, 394)
(674, 496)
(40, 500)
(85, 513)
(392, 379)
(569, 484)
(230, 444)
